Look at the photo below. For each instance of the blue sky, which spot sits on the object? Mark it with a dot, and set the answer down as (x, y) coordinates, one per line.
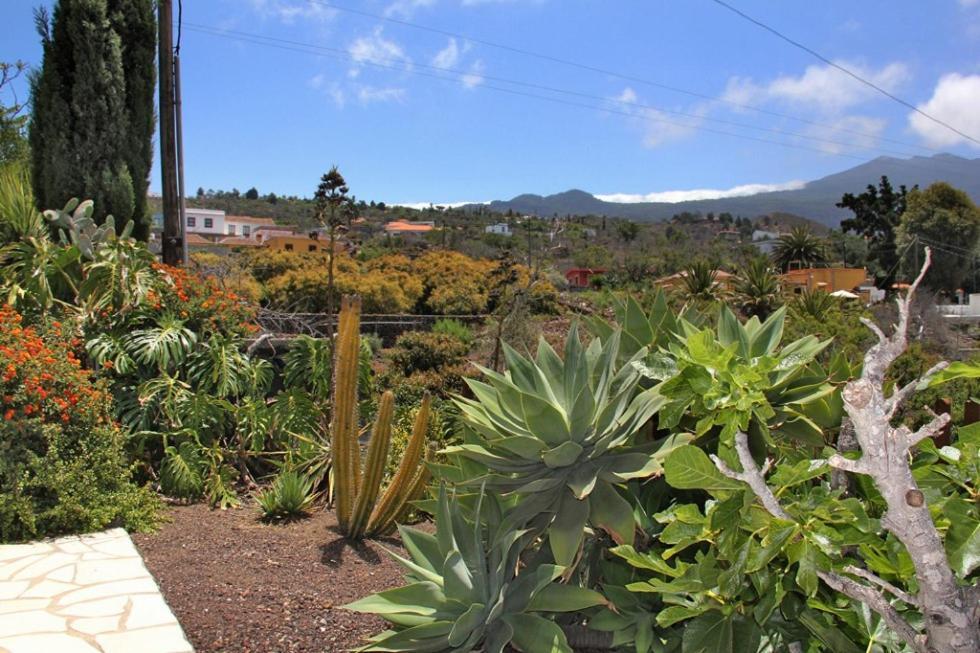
(440, 119)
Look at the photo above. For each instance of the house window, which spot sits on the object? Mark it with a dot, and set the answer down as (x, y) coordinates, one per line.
(312, 248)
(191, 221)
(231, 230)
(208, 223)
(246, 230)
(289, 247)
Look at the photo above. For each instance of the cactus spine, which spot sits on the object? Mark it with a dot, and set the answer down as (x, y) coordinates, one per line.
(359, 512)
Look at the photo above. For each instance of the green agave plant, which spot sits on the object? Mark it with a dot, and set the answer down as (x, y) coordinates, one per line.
(465, 592)
(562, 434)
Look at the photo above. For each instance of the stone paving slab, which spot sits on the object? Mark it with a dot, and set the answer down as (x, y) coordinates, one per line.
(83, 594)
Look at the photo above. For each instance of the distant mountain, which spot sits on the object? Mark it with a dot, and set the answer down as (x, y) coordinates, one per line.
(816, 200)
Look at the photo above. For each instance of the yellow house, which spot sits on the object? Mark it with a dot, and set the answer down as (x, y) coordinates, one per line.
(828, 279)
(298, 243)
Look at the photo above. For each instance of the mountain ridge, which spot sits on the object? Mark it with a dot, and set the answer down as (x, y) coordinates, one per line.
(815, 200)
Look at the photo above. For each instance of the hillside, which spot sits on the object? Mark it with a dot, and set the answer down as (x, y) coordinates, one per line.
(815, 201)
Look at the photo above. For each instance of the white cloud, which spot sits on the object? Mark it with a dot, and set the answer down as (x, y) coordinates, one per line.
(448, 57)
(955, 101)
(474, 77)
(658, 127)
(418, 206)
(406, 8)
(969, 3)
(372, 94)
(820, 86)
(674, 196)
(376, 49)
(289, 12)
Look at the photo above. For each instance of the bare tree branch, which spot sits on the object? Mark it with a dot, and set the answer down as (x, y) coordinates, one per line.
(877, 602)
(896, 400)
(927, 431)
(752, 475)
(882, 583)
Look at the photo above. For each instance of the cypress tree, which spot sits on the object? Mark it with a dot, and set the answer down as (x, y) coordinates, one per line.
(92, 123)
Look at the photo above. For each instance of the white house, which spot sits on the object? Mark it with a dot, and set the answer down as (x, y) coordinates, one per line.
(207, 222)
(501, 228)
(245, 225)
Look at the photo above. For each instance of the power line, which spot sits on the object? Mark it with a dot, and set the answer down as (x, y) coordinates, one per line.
(404, 67)
(605, 71)
(843, 69)
(460, 77)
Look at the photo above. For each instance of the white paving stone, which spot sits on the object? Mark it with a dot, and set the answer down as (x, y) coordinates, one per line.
(12, 551)
(112, 606)
(88, 594)
(95, 625)
(149, 610)
(47, 643)
(105, 590)
(47, 589)
(22, 605)
(25, 623)
(101, 571)
(12, 589)
(162, 639)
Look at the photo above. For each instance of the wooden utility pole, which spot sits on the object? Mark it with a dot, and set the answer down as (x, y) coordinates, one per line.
(171, 242)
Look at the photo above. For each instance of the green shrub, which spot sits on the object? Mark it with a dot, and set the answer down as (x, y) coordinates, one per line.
(62, 462)
(455, 328)
(418, 351)
(289, 496)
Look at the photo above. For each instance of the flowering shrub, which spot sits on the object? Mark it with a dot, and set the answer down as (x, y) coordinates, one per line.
(62, 466)
(200, 302)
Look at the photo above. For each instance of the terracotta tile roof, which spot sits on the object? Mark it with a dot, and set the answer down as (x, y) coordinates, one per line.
(239, 241)
(247, 219)
(407, 227)
(197, 239)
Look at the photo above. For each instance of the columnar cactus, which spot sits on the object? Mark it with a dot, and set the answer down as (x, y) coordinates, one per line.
(359, 511)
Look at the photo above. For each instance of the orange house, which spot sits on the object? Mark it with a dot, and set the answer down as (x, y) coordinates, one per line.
(828, 279)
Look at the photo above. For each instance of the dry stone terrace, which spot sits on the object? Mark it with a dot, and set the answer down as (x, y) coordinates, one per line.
(83, 594)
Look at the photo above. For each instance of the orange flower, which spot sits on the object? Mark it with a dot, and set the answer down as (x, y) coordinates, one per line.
(9, 415)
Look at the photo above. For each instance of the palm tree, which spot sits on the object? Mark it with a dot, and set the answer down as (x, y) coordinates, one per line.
(700, 280)
(758, 288)
(812, 304)
(800, 246)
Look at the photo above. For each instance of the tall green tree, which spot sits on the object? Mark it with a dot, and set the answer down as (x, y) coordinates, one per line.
(13, 136)
(945, 218)
(92, 117)
(877, 213)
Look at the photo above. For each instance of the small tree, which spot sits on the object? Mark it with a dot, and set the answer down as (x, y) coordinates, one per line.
(252, 193)
(877, 213)
(13, 138)
(944, 216)
(330, 194)
(950, 611)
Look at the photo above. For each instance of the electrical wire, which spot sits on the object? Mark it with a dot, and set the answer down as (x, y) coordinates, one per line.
(844, 70)
(605, 71)
(454, 75)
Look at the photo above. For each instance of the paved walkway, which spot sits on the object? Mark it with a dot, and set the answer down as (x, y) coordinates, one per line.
(86, 594)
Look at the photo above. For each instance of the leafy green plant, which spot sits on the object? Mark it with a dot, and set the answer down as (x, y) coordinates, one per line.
(465, 589)
(757, 288)
(290, 495)
(454, 328)
(419, 351)
(562, 434)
